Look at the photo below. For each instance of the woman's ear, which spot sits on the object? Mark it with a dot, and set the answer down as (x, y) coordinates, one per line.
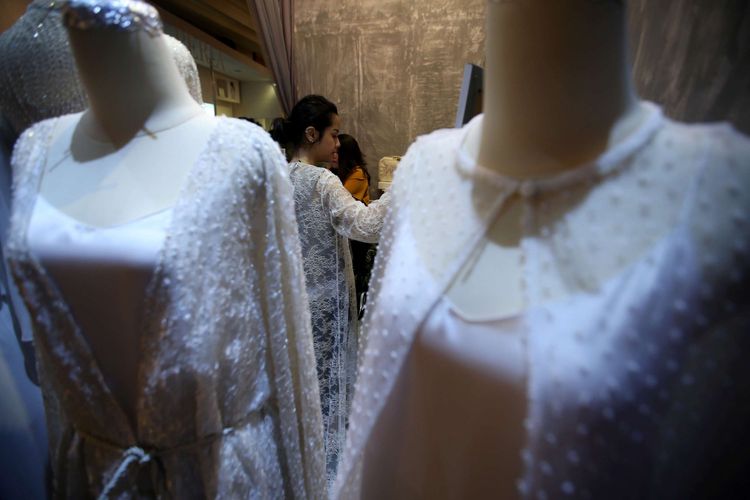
(311, 135)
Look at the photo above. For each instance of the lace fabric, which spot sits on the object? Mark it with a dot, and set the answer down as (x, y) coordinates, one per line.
(627, 373)
(328, 216)
(228, 405)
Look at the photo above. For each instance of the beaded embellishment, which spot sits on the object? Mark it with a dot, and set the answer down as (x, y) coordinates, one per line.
(122, 15)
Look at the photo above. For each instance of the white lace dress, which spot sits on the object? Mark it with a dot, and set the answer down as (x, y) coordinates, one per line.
(226, 401)
(634, 387)
(328, 216)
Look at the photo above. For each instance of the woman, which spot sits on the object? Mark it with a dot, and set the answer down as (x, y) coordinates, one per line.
(327, 216)
(352, 170)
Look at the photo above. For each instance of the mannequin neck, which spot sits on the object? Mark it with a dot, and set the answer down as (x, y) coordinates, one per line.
(557, 85)
(132, 84)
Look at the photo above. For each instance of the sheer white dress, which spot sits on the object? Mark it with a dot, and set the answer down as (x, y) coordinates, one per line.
(631, 387)
(225, 403)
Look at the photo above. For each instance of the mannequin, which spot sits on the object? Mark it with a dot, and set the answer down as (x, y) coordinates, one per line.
(532, 129)
(549, 330)
(36, 50)
(141, 116)
(125, 158)
(157, 251)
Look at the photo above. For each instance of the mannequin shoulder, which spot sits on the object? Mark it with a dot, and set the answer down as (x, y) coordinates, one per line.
(248, 147)
(720, 218)
(40, 136)
(431, 156)
(725, 177)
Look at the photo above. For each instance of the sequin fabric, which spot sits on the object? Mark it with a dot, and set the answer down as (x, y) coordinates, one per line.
(228, 404)
(38, 75)
(186, 66)
(121, 15)
(328, 216)
(638, 382)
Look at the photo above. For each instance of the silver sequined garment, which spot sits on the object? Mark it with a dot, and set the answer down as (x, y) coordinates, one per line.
(228, 405)
(120, 15)
(38, 75)
(186, 66)
(637, 385)
(328, 216)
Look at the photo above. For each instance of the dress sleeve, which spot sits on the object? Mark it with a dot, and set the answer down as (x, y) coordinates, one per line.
(349, 217)
(292, 349)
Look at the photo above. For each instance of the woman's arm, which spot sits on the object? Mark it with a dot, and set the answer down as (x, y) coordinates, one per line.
(349, 217)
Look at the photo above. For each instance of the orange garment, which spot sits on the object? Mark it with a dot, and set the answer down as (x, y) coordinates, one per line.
(358, 185)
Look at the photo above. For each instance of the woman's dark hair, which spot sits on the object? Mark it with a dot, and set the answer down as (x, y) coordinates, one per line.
(350, 157)
(310, 111)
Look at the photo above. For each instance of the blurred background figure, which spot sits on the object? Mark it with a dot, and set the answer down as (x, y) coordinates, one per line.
(351, 168)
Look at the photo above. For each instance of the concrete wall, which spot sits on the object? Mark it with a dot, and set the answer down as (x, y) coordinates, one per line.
(394, 66)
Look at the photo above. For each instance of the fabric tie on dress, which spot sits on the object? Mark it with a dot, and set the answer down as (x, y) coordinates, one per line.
(140, 455)
(131, 454)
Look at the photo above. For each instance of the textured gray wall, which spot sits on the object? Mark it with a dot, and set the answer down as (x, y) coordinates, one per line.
(393, 67)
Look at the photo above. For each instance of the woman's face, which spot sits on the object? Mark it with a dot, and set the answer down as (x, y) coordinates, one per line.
(329, 142)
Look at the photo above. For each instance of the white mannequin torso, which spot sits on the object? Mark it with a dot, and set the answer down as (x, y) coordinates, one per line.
(122, 160)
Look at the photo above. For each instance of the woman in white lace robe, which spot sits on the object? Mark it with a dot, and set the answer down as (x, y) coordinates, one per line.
(327, 216)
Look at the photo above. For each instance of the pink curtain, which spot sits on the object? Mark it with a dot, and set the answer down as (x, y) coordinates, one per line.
(275, 20)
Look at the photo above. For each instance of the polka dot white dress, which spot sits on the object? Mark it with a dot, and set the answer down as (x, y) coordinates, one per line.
(624, 374)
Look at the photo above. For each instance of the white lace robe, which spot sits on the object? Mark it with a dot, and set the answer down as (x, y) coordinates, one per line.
(228, 405)
(328, 216)
(637, 387)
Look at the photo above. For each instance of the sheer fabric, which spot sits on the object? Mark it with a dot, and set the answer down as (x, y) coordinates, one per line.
(227, 405)
(327, 216)
(627, 377)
